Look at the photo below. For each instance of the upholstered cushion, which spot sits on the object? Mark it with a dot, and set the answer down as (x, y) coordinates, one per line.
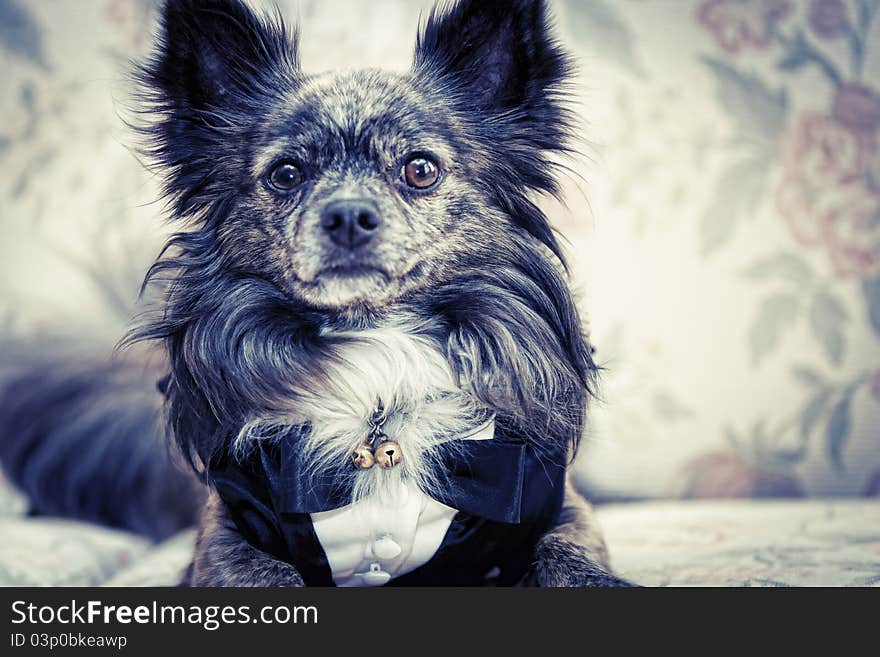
(746, 543)
(696, 543)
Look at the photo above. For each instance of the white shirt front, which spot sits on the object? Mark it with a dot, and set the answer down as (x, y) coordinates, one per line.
(416, 525)
(371, 541)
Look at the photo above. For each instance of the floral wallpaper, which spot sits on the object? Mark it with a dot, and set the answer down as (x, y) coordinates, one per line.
(723, 224)
(827, 191)
(788, 231)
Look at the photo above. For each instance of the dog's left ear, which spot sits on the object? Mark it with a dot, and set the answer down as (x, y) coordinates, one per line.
(499, 53)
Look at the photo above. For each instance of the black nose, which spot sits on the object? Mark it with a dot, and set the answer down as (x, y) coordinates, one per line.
(350, 222)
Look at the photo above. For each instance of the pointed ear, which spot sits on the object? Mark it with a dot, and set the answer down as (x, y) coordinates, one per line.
(212, 52)
(500, 52)
(215, 70)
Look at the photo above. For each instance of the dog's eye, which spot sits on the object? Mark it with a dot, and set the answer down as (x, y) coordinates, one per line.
(421, 172)
(285, 176)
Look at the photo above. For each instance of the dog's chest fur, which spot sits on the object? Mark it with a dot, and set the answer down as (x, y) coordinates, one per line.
(409, 374)
(424, 405)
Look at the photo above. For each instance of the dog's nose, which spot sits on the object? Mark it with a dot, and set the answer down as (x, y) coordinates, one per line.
(350, 222)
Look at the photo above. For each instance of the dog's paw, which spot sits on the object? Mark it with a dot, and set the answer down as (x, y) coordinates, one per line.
(559, 563)
(264, 573)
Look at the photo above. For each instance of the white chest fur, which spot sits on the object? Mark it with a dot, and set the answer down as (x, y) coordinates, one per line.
(424, 406)
(422, 401)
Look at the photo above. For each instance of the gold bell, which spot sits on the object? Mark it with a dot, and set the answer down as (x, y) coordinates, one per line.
(388, 454)
(362, 457)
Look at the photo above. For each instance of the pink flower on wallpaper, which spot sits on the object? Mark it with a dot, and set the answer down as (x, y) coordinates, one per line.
(729, 475)
(826, 196)
(857, 107)
(829, 18)
(852, 232)
(796, 198)
(738, 24)
(825, 151)
(818, 157)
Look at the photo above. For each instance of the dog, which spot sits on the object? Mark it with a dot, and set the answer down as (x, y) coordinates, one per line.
(373, 366)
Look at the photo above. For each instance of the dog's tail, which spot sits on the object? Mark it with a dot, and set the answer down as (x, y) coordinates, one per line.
(84, 438)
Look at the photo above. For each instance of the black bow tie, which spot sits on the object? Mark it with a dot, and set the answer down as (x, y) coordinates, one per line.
(499, 479)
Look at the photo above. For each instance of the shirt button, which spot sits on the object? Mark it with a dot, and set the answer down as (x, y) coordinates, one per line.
(385, 548)
(375, 576)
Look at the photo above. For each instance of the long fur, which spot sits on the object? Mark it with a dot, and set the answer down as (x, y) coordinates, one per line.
(474, 317)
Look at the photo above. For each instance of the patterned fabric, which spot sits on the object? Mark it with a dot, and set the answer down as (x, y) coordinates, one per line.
(51, 552)
(724, 226)
(745, 543)
(163, 565)
(685, 543)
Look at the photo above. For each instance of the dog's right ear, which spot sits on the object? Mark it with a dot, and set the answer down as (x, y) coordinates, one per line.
(213, 53)
(215, 70)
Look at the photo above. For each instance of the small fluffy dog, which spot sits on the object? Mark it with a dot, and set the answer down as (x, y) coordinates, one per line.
(374, 362)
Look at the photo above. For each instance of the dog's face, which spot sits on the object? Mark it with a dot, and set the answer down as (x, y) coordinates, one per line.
(362, 188)
(352, 190)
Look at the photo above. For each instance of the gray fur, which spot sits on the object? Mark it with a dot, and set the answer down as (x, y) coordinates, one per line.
(266, 325)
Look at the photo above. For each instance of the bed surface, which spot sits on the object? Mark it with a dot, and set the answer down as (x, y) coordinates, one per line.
(675, 543)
